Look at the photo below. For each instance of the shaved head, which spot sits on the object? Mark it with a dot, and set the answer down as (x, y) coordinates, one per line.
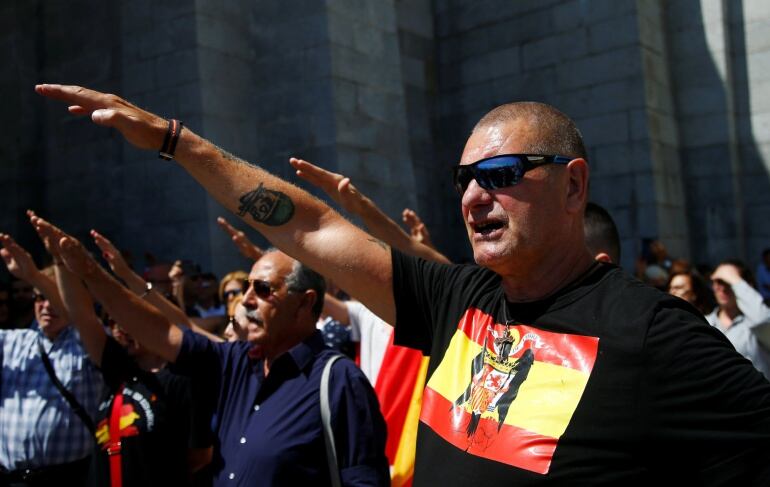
(557, 134)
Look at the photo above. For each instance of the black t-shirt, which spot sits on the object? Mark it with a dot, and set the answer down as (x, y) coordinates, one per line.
(158, 423)
(607, 382)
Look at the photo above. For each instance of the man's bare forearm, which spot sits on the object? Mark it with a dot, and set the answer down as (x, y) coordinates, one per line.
(383, 227)
(293, 220)
(80, 308)
(140, 319)
(138, 286)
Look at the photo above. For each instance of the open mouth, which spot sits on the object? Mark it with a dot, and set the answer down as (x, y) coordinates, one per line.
(485, 228)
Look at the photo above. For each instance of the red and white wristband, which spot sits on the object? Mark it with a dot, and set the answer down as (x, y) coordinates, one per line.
(172, 137)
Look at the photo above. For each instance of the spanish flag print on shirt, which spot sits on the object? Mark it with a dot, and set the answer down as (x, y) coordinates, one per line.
(507, 392)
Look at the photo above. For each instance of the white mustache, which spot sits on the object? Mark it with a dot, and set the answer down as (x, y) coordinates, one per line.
(252, 314)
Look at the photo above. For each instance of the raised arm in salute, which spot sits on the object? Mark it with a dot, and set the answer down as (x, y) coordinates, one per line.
(292, 219)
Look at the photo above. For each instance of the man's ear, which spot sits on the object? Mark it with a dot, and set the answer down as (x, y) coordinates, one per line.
(309, 298)
(577, 189)
(603, 257)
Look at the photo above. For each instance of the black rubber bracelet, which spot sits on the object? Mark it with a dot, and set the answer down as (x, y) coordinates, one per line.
(172, 137)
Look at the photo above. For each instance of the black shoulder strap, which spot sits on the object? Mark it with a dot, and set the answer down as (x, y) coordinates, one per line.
(79, 410)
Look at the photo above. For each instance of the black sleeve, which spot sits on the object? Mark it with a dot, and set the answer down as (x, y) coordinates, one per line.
(203, 401)
(413, 326)
(431, 294)
(709, 408)
(117, 364)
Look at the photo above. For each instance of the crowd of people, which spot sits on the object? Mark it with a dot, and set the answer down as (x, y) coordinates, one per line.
(349, 356)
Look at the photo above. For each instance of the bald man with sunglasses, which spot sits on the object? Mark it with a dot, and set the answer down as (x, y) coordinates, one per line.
(547, 367)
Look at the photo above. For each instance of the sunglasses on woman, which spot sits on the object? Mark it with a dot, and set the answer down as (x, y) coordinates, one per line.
(501, 171)
(232, 293)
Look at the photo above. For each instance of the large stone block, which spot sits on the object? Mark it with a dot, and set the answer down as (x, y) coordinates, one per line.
(599, 68)
(613, 33)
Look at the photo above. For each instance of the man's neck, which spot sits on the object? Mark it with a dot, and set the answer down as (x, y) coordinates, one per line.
(51, 334)
(547, 278)
(271, 354)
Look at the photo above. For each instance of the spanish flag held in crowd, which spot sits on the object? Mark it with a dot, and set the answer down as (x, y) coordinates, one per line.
(507, 392)
(399, 388)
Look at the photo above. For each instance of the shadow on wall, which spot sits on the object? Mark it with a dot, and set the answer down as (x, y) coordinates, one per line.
(727, 184)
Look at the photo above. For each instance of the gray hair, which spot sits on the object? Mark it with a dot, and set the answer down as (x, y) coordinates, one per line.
(303, 278)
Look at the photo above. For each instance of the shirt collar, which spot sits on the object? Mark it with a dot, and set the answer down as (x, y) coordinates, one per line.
(305, 351)
(62, 336)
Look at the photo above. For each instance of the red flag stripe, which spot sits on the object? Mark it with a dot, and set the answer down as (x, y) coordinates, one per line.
(574, 351)
(394, 389)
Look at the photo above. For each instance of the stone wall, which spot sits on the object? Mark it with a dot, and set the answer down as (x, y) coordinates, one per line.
(671, 96)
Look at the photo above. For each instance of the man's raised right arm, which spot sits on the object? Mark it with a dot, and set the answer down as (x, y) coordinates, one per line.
(292, 219)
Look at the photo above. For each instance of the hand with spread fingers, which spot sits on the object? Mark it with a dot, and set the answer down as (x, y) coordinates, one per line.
(245, 246)
(417, 229)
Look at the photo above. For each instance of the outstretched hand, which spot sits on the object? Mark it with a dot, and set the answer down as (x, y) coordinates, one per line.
(76, 257)
(417, 229)
(139, 127)
(111, 254)
(49, 233)
(17, 259)
(245, 246)
(337, 186)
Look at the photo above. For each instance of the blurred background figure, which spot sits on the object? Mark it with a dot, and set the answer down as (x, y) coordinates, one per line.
(237, 321)
(22, 303)
(184, 276)
(653, 266)
(5, 306)
(231, 288)
(693, 288)
(741, 313)
(763, 276)
(208, 303)
(601, 234)
(157, 274)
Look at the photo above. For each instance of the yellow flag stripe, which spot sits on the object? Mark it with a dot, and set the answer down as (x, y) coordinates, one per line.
(403, 465)
(545, 402)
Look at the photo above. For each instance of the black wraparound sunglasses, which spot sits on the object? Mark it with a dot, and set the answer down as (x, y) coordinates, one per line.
(263, 289)
(501, 171)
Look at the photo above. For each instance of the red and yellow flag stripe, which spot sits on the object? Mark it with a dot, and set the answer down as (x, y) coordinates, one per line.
(541, 411)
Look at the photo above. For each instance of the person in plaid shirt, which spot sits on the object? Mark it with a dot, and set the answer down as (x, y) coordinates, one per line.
(42, 439)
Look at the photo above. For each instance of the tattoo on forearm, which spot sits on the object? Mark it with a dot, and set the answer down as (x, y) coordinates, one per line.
(267, 206)
(379, 242)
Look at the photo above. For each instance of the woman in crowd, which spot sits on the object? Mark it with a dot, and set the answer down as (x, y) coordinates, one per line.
(232, 286)
(741, 314)
(693, 288)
